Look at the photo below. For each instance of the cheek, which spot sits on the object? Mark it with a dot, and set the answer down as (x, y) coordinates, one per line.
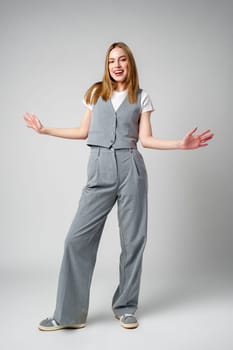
(110, 74)
(126, 66)
(109, 69)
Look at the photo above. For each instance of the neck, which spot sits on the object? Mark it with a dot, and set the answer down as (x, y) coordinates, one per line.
(120, 86)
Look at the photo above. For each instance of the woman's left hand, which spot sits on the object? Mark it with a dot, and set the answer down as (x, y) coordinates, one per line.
(191, 141)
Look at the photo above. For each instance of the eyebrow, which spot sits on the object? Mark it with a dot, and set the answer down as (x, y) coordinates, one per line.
(111, 58)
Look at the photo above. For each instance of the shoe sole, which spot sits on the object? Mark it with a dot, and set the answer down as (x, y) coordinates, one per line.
(127, 325)
(56, 328)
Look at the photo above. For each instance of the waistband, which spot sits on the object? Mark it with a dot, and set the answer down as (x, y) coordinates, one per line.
(112, 149)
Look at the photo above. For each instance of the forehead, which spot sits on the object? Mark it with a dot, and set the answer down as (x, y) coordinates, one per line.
(117, 52)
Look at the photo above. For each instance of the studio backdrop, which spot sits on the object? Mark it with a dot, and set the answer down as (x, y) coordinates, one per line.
(51, 52)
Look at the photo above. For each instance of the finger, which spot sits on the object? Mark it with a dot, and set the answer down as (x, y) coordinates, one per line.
(28, 119)
(204, 133)
(28, 123)
(191, 131)
(35, 119)
(38, 124)
(207, 138)
(28, 114)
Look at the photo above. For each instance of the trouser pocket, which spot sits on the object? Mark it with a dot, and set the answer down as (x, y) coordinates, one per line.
(139, 164)
(92, 166)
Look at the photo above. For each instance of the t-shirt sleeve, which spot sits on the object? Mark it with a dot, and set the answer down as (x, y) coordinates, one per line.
(87, 105)
(146, 103)
(90, 106)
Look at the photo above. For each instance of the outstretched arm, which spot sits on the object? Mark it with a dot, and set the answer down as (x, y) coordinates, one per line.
(190, 141)
(69, 133)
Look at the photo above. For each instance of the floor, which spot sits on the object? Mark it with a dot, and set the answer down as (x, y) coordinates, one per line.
(172, 316)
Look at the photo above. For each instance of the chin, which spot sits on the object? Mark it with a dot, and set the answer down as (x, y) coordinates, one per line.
(120, 80)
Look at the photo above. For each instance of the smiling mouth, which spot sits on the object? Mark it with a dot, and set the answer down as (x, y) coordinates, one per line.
(118, 72)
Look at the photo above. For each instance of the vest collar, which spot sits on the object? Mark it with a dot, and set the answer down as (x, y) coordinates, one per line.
(122, 103)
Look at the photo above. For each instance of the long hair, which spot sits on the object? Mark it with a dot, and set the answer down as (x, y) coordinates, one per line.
(105, 87)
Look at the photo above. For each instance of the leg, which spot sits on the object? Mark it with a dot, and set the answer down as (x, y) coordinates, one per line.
(132, 216)
(97, 199)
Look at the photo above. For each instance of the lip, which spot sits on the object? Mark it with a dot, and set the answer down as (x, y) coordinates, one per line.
(118, 71)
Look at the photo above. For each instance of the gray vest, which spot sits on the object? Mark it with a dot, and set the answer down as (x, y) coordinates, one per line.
(119, 128)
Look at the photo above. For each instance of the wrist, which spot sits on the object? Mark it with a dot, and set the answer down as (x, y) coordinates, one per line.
(44, 131)
(180, 144)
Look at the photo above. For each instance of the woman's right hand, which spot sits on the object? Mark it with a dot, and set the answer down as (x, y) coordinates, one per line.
(33, 122)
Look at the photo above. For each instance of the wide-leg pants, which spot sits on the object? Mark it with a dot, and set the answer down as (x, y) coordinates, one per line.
(112, 175)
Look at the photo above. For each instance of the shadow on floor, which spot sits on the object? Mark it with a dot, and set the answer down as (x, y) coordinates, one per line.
(168, 297)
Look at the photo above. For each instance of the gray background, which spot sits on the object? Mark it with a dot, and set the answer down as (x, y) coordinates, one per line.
(51, 51)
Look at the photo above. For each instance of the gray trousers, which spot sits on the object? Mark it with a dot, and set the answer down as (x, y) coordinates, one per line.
(112, 175)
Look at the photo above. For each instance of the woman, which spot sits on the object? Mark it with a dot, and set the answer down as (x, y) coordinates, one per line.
(117, 115)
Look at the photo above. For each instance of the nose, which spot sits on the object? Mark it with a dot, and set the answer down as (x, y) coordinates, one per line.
(117, 63)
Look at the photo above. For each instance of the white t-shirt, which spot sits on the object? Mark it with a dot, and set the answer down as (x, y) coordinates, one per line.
(119, 96)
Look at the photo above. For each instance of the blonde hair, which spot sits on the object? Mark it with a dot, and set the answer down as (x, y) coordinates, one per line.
(105, 87)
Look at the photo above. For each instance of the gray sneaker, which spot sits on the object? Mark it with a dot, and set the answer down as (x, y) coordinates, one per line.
(128, 321)
(49, 324)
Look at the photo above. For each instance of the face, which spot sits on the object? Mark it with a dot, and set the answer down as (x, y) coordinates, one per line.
(118, 65)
